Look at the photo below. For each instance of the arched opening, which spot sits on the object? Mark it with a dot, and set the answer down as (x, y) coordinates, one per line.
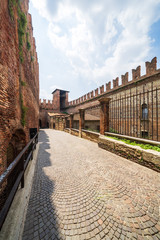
(40, 123)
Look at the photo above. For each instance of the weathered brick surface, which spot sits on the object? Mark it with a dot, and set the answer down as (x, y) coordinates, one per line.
(12, 73)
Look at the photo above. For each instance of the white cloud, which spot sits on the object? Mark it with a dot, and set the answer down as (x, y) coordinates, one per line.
(50, 77)
(101, 40)
(45, 95)
(58, 40)
(53, 87)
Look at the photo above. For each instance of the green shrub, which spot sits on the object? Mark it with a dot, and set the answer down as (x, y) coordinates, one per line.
(112, 130)
(23, 111)
(28, 43)
(23, 83)
(92, 130)
(21, 56)
(22, 23)
(28, 46)
(11, 4)
(32, 58)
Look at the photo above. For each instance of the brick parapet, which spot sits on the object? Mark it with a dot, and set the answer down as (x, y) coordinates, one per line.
(151, 69)
(46, 104)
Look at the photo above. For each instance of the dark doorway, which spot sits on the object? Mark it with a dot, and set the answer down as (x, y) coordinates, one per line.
(40, 123)
(32, 132)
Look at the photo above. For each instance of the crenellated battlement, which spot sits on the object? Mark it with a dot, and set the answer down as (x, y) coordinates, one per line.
(151, 68)
(47, 104)
(101, 89)
(116, 82)
(124, 78)
(108, 86)
(136, 73)
(96, 92)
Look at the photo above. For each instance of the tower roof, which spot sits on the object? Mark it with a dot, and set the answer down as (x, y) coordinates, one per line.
(59, 90)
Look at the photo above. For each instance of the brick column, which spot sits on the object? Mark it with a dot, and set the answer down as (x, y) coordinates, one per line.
(71, 122)
(81, 121)
(104, 115)
(58, 122)
(65, 122)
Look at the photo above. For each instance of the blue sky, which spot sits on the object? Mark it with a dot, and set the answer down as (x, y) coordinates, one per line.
(83, 44)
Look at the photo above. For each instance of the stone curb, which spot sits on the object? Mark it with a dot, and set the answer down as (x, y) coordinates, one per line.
(129, 151)
(92, 136)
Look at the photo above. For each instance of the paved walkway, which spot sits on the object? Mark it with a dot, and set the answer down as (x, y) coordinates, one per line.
(83, 192)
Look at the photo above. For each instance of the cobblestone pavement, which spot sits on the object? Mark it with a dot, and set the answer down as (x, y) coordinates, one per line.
(83, 192)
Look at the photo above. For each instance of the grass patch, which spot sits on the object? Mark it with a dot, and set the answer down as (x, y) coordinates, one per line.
(91, 130)
(134, 143)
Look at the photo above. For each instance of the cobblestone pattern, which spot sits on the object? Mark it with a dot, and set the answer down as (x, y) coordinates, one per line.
(83, 192)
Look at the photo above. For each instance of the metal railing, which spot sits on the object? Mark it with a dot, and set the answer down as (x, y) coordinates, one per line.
(13, 176)
(136, 114)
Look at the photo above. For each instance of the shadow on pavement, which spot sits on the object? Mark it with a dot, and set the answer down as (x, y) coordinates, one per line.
(40, 222)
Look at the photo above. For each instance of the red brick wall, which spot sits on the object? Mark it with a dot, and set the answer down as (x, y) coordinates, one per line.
(16, 79)
(56, 100)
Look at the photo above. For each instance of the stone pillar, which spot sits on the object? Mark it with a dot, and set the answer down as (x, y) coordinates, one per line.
(104, 115)
(81, 121)
(64, 123)
(58, 123)
(71, 122)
